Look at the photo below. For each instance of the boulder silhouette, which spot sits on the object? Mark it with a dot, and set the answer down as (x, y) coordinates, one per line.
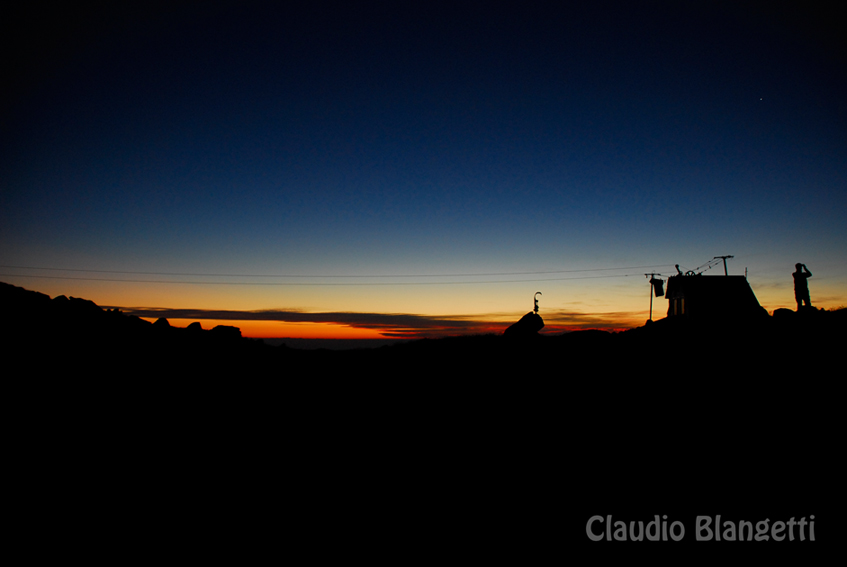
(782, 313)
(226, 332)
(528, 326)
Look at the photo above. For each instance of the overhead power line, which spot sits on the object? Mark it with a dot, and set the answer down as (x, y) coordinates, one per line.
(318, 276)
(319, 283)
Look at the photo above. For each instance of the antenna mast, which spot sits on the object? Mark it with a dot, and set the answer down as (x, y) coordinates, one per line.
(724, 262)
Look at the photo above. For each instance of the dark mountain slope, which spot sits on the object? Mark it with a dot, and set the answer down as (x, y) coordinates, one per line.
(151, 438)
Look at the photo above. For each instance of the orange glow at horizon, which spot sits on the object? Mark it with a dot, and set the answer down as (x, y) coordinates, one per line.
(279, 330)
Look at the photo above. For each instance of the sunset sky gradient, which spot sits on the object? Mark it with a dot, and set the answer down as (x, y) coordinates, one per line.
(380, 169)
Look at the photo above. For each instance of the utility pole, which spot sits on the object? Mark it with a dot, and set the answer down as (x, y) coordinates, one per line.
(651, 300)
(655, 287)
(724, 262)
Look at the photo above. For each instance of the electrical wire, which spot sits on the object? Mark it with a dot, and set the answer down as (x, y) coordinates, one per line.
(319, 283)
(317, 276)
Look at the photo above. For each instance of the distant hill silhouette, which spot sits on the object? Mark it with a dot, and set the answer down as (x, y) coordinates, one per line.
(78, 328)
(100, 341)
(491, 444)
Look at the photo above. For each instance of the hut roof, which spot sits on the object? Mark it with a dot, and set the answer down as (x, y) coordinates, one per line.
(713, 296)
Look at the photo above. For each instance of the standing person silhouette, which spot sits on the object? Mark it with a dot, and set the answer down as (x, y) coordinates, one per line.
(801, 285)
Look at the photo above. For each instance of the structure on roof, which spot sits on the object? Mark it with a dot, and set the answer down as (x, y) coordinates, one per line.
(711, 297)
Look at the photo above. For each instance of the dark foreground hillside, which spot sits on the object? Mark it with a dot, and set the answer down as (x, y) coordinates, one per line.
(139, 440)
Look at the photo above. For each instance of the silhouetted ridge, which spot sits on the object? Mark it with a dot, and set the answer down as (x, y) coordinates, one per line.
(97, 341)
(481, 438)
(748, 345)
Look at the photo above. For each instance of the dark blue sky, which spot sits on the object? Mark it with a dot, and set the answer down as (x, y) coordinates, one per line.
(378, 138)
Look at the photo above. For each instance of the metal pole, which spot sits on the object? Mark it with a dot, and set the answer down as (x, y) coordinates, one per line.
(651, 293)
(725, 272)
(651, 301)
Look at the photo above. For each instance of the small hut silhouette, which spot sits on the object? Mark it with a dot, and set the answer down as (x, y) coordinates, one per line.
(711, 297)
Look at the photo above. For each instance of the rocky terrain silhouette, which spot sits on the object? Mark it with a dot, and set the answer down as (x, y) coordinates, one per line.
(60, 330)
(490, 443)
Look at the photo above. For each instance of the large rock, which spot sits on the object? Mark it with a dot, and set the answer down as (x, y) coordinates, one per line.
(528, 326)
(226, 332)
